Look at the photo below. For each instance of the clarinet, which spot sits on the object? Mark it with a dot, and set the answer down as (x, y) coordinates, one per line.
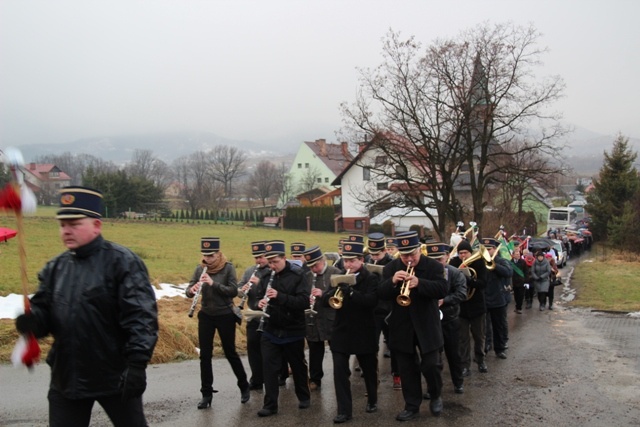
(310, 312)
(261, 325)
(246, 294)
(197, 295)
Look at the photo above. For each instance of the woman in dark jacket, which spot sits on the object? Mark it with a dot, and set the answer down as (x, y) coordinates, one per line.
(520, 278)
(215, 281)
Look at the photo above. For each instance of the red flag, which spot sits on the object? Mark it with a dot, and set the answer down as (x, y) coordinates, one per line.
(10, 198)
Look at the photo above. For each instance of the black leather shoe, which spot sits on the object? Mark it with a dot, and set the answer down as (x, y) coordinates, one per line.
(501, 355)
(435, 406)
(282, 382)
(407, 415)
(205, 402)
(466, 372)
(426, 396)
(265, 412)
(482, 367)
(371, 408)
(246, 394)
(341, 418)
(459, 389)
(304, 404)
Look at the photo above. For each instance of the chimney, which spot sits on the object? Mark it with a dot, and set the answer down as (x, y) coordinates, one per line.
(345, 149)
(323, 147)
(32, 166)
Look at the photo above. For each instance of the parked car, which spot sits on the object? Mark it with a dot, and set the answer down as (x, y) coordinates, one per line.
(561, 253)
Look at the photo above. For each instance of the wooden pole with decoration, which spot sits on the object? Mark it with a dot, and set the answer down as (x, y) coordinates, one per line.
(18, 198)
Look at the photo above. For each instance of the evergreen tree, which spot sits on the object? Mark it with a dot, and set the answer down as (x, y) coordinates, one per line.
(617, 183)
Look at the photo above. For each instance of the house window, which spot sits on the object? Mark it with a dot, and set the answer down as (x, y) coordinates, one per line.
(299, 165)
(381, 161)
(54, 174)
(383, 186)
(306, 165)
(366, 174)
(319, 180)
(326, 179)
(358, 224)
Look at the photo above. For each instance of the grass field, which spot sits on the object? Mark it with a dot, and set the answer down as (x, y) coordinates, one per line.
(605, 280)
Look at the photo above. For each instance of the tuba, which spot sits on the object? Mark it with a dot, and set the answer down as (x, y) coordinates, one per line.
(404, 299)
(335, 301)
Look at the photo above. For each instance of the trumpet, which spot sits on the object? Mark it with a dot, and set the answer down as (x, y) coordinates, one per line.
(335, 301)
(246, 294)
(196, 297)
(310, 312)
(404, 299)
(264, 310)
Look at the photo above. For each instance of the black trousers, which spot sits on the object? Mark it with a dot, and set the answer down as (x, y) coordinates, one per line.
(341, 374)
(472, 327)
(316, 358)
(550, 294)
(65, 412)
(518, 296)
(450, 333)
(226, 327)
(411, 365)
(254, 352)
(383, 328)
(272, 358)
(499, 327)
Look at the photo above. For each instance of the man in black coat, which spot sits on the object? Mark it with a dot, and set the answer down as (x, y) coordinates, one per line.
(354, 331)
(96, 300)
(472, 310)
(320, 320)
(450, 308)
(414, 327)
(285, 299)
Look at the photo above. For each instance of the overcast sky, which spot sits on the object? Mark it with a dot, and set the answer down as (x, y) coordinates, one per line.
(261, 70)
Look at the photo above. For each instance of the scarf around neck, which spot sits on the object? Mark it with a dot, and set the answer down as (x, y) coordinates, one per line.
(217, 265)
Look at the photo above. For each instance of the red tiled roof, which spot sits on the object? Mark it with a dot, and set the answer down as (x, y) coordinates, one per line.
(335, 156)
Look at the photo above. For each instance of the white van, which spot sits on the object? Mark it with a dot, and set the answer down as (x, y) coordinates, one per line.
(561, 218)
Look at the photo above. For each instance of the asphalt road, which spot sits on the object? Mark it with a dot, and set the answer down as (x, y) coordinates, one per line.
(564, 367)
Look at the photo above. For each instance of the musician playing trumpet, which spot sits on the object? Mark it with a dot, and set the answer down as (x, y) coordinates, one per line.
(250, 283)
(219, 287)
(415, 327)
(354, 331)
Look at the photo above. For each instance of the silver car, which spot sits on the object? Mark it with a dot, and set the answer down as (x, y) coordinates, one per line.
(561, 253)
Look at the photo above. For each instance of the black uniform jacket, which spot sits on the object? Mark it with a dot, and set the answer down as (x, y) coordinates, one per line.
(474, 306)
(457, 293)
(100, 307)
(323, 325)
(354, 330)
(286, 311)
(421, 319)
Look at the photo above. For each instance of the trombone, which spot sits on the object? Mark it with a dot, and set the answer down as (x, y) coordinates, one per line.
(404, 299)
(335, 301)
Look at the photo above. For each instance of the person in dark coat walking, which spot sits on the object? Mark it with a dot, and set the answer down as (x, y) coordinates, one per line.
(320, 323)
(354, 331)
(98, 304)
(216, 282)
(250, 287)
(415, 334)
(285, 299)
(450, 309)
(521, 278)
(472, 310)
(497, 297)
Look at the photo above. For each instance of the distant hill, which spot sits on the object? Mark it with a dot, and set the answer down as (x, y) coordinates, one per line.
(166, 146)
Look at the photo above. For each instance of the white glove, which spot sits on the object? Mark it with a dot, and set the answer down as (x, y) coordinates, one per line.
(526, 286)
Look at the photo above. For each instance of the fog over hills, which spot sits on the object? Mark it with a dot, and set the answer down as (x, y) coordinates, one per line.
(584, 152)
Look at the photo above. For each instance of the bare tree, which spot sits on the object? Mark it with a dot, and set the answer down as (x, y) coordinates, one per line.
(197, 188)
(309, 180)
(453, 112)
(263, 183)
(144, 165)
(226, 164)
(284, 185)
(75, 165)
